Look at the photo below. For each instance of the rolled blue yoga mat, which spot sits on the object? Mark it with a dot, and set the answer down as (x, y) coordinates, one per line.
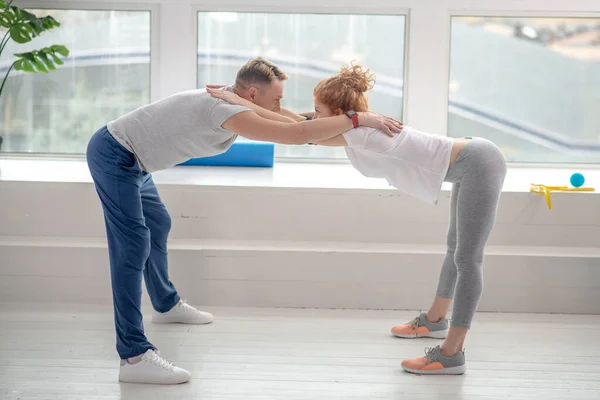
(240, 154)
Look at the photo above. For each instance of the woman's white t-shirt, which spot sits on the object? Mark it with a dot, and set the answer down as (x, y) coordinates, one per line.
(412, 161)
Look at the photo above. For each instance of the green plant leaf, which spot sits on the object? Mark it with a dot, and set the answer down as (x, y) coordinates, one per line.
(15, 18)
(44, 57)
(27, 56)
(50, 52)
(60, 49)
(22, 27)
(24, 65)
(19, 12)
(28, 16)
(43, 24)
(49, 22)
(37, 27)
(29, 66)
(57, 60)
(21, 33)
(40, 60)
(7, 18)
(40, 66)
(19, 64)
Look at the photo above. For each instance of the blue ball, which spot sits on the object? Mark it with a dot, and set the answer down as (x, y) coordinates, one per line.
(577, 179)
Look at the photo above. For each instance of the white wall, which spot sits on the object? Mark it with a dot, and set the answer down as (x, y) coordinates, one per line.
(303, 247)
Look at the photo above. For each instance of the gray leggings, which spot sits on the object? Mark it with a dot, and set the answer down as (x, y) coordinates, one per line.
(477, 176)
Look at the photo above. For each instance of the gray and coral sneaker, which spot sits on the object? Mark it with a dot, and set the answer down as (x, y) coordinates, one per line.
(420, 327)
(434, 363)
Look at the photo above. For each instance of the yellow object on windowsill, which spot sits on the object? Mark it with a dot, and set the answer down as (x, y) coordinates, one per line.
(545, 190)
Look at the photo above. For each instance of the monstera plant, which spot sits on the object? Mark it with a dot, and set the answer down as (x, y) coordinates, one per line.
(22, 27)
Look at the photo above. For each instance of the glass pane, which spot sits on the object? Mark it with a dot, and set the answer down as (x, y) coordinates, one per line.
(308, 47)
(106, 75)
(532, 85)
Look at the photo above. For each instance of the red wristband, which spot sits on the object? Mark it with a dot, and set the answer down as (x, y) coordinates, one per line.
(353, 116)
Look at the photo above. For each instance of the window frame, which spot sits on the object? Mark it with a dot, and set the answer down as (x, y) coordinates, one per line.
(427, 43)
(511, 13)
(86, 5)
(296, 9)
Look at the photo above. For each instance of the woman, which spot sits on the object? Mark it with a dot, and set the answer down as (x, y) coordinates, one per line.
(418, 163)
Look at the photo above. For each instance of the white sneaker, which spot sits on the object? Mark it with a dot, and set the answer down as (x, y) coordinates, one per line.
(182, 313)
(152, 368)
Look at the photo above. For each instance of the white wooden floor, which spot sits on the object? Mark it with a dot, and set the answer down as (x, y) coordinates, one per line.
(68, 353)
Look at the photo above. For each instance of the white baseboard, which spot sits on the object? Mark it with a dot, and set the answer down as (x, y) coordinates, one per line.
(325, 275)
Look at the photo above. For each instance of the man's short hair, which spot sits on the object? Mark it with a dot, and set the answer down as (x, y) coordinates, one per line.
(259, 71)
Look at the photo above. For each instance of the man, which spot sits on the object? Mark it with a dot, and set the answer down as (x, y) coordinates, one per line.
(262, 83)
(121, 157)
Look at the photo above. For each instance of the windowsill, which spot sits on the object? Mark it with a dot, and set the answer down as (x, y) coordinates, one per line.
(282, 175)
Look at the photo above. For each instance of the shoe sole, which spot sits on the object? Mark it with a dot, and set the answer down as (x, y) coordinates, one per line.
(153, 383)
(432, 335)
(160, 320)
(459, 370)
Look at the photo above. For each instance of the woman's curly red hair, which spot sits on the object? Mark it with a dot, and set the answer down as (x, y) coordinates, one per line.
(346, 90)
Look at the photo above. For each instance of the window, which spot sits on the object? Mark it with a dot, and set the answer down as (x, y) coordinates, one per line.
(308, 47)
(106, 75)
(531, 85)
